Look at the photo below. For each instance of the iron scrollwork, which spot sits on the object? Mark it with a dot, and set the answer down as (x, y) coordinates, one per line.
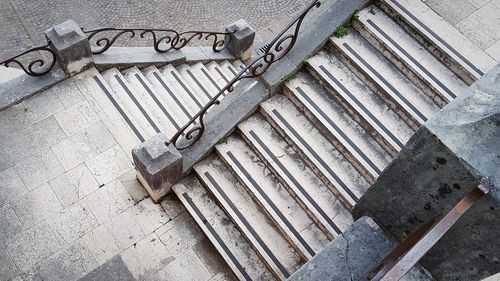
(273, 52)
(37, 67)
(164, 40)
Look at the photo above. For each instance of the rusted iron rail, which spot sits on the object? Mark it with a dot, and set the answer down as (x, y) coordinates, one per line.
(410, 251)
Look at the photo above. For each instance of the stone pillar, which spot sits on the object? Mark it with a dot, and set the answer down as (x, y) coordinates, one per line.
(241, 41)
(71, 46)
(158, 166)
(445, 159)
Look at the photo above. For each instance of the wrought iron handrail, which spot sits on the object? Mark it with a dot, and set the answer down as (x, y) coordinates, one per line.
(274, 51)
(410, 251)
(37, 67)
(171, 39)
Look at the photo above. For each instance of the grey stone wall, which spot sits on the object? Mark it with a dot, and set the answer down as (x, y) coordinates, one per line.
(440, 164)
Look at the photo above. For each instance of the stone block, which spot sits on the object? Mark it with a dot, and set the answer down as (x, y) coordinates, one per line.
(71, 47)
(158, 166)
(241, 40)
(440, 164)
(353, 254)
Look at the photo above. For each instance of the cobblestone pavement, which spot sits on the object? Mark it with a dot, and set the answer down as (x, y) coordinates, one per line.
(23, 21)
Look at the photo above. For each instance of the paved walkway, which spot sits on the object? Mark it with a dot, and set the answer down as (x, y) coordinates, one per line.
(70, 203)
(478, 20)
(23, 21)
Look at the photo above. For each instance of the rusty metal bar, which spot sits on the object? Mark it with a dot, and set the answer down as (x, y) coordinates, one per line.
(410, 251)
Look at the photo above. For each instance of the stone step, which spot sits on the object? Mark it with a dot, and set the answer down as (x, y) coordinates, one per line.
(260, 182)
(409, 55)
(238, 65)
(211, 77)
(169, 95)
(145, 93)
(111, 111)
(385, 79)
(196, 83)
(291, 170)
(366, 107)
(182, 88)
(234, 70)
(221, 231)
(337, 126)
(322, 157)
(275, 250)
(442, 39)
(132, 105)
(226, 75)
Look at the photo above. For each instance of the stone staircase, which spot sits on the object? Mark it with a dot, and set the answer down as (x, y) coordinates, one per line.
(139, 103)
(275, 192)
(281, 187)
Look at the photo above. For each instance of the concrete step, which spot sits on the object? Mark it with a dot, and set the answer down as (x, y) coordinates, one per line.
(366, 107)
(439, 37)
(145, 93)
(228, 66)
(110, 109)
(385, 79)
(238, 65)
(337, 126)
(260, 182)
(291, 170)
(196, 83)
(405, 52)
(215, 68)
(132, 105)
(275, 250)
(169, 95)
(192, 99)
(210, 77)
(221, 231)
(322, 157)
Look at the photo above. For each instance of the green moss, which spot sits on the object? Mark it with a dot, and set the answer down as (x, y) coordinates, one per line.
(340, 32)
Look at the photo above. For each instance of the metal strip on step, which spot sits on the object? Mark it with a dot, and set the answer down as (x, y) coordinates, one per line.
(247, 225)
(414, 61)
(212, 231)
(120, 110)
(339, 131)
(386, 83)
(186, 89)
(143, 83)
(221, 74)
(181, 106)
(211, 79)
(453, 50)
(271, 204)
(362, 107)
(198, 83)
(136, 102)
(316, 156)
(230, 67)
(296, 183)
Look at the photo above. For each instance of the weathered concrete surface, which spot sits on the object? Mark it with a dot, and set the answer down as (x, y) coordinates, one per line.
(352, 255)
(223, 118)
(125, 57)
(158, 166)
(71, 47)
(24, 86)
(240, 42)
(316, 29)
(440, 164)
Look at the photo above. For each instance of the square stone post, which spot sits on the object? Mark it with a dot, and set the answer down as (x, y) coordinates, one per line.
(158, 166)
(71, 47)
(241, 41)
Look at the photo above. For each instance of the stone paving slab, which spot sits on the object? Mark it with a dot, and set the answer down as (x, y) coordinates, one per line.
(71, 206)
